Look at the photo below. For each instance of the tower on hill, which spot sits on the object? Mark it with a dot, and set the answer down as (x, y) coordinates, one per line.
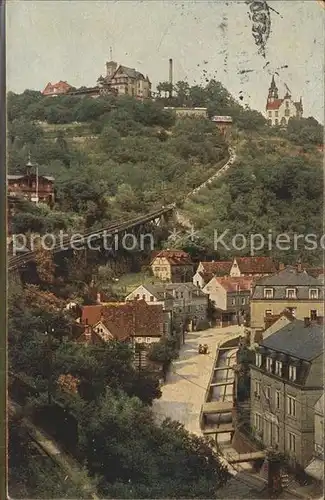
(279, 111)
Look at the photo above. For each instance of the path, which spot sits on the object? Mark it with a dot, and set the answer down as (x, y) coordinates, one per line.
(187, 382)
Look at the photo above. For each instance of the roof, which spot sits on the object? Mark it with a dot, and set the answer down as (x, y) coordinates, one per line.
(174, 257)
(165, 290)
(234, 284)
(297, 340)
(224, 119)
(130, 72)
(219, 268)
(274, 104)
(22, 176)
(256, 265)
(158, 290)
(289, 276)
(126, 319)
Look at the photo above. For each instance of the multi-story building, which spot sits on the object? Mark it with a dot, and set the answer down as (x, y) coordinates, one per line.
(286, 382)
(230, 297)
(173, 266)
(31, 186)
(125, 81)
(290, 288)
(279, 111)
(316, 467)
(185, 301)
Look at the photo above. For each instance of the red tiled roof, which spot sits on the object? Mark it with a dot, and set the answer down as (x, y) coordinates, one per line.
(174, 257)
(256, 265)
(127, 319)
(275, 104)
(220, 268)
(59, 87)
(233, 284)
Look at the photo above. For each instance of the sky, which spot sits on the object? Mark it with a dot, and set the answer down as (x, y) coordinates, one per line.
(48, 41)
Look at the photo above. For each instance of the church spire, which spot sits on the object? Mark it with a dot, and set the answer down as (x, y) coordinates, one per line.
(273, 91)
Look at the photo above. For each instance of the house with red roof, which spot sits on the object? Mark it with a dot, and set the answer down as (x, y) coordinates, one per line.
(253, 266)
(279, 111)
(174, 266)
(206, 270)
(54, 89)
(230, 297)
(132, 321)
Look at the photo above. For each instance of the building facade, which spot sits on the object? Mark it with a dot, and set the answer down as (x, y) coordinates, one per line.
(230, 298)
(173, 266)
(286, 382)
(32, 186)
(279, 111)
(316, 467)
(291, 288)
(125, 81)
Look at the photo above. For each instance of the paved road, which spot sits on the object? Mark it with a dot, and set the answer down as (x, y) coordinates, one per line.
(186, 384)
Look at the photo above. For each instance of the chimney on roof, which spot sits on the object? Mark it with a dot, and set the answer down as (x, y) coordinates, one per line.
(281, 266)
(307, 321)
(299, 266)
(98, 297)
(171, 78)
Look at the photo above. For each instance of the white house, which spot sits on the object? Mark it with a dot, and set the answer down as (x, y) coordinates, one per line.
(279, 111)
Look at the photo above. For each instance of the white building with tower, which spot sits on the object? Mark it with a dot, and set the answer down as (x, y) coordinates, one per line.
(279, 111)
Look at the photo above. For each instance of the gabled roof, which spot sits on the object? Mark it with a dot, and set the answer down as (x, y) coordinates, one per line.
(256, 265)
(174, 257)
(220, 268)
(234, 284)
(297, 340)
(157, 290)
(130, 72)
(274, 104)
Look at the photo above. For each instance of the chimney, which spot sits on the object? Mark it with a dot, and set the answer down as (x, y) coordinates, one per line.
(307, 322)
(98, 298)
(171, 78)
(281, 266)
(299, 266)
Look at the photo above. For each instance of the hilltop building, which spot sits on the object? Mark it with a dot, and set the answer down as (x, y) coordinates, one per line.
(279, 111)
(172, 265)
(125, 81)
(59, 88)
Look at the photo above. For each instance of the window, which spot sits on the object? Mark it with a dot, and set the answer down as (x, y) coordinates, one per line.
(287, 104)
(292, 442)
(291, 406)
(257, 388)
(137, 296)
(258, 422)
(243, 301)
(268, 293)
(276, 122)
(287, 112)
(291, 293)
(268, 312)
(292, 373)
(143, 297)
(233, 302)
(313, 314)
(197, 283)
(182, 295)
(268, 393)
(277, 113)
(148, 340)
(276, 433)
(151, 298)
(277, 400)
(278, 368)
(258, 359)
(269, 364)
(313, 293)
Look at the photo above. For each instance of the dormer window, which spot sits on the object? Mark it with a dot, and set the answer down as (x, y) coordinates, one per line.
(292, 373)
(268, 293)
(278, 368)
(258, 359)
(313, 293)
(269, 364)
(291, 293)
